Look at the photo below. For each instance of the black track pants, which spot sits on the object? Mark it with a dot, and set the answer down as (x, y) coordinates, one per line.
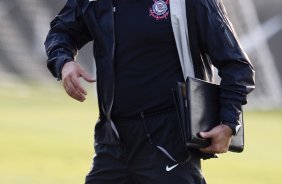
(137, 161)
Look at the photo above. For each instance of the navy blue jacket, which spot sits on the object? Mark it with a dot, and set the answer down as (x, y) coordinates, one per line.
(212, 39)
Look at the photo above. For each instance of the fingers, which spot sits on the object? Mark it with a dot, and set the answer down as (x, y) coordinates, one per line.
(71, 73)
(220, 140)
(77, 86)
(87, 76)
(206, 135)
(214, 149)
(74, 89)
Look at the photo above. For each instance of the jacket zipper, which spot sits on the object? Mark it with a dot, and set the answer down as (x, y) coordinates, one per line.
(228, 37)
(113, 90)
(226, 34)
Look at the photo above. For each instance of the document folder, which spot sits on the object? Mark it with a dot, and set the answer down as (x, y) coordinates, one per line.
(198, 107)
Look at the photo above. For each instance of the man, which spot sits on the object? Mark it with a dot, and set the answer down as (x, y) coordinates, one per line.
(142, 48)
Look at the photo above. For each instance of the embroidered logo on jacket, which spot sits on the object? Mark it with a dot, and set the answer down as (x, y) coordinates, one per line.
(159, 9)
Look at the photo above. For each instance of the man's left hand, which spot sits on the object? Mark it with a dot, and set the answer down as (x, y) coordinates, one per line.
(220, 139)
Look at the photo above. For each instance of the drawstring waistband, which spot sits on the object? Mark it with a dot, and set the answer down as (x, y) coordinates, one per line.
(146, 114)
(142, 116)
(163, 150)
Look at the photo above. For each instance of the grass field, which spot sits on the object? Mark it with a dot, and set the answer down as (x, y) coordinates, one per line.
(47, 138)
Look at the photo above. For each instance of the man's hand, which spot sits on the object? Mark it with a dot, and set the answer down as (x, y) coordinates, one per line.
(71, 73)
(220, 139)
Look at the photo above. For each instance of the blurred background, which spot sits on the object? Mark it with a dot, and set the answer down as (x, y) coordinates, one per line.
(46, 137)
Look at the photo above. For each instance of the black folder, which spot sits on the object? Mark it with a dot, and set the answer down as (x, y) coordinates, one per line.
(198, 107)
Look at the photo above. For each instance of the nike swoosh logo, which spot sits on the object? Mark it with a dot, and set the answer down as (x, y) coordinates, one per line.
(238, 128)
(170, 168)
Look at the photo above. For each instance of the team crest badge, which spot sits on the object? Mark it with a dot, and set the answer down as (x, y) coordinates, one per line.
(159, 9)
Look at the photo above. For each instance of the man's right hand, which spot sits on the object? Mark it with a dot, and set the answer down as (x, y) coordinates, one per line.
(71, 73)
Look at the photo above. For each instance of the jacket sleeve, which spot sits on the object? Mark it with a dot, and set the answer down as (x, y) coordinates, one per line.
(68, 33)
(221, 45)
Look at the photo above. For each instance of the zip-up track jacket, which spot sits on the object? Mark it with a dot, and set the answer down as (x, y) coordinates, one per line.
(202, 24)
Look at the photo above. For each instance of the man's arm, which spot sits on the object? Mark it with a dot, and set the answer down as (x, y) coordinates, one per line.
(237, 74)
(68, 33)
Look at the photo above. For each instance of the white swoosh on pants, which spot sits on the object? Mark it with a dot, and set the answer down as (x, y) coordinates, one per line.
(170, 168)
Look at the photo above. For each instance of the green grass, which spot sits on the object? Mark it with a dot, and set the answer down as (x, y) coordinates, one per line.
(47, 138)
(261, 161)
